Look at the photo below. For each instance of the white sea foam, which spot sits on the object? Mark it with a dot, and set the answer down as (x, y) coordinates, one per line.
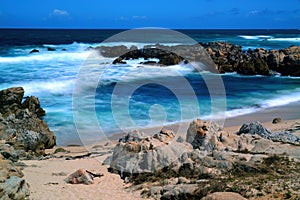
(59, 87)
(296, 39)
(255, 37)
(46, 57)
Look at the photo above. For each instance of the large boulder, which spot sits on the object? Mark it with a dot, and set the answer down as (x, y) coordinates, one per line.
(20, 125)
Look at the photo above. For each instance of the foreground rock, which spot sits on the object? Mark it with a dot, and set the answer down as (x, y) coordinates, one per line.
(223, 196)
(209, 160)
(12, 185)
(21, 125)
(82, 176)
(137, 153)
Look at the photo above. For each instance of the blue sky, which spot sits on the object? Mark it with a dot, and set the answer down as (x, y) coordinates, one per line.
(176, 14)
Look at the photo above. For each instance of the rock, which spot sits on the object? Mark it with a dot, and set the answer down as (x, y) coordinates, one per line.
(10, 99)
(257, 128)
(138, 153)
(14, 188)
(224, 196)
(34, 106)
(165, 58)
(20, 125)
(82, 176)
(276, 120)
(34, 51)
(200, 133)
(114, 51)
(50, 49)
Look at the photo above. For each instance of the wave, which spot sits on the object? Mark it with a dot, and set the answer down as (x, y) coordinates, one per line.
(63, 56)
(255, 37)
(40, 88)
(296, 39)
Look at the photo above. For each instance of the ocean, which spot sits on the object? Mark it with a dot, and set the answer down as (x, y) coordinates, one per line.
(85, 96)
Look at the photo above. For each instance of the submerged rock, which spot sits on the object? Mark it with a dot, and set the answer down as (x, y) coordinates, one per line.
(34, 51)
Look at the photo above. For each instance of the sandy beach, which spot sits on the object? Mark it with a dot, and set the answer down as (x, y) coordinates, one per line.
(46, 177)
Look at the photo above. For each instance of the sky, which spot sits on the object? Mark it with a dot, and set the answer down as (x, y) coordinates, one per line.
(175, 14)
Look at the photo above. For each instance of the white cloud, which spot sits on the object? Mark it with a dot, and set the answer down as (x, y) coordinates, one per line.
(61, 13)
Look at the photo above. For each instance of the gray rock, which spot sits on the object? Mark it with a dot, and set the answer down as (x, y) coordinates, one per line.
(257, 128)
(136, 153)
(224, 196)
(14, 188)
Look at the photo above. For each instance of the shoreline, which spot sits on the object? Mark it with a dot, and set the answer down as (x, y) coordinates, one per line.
(285, 112)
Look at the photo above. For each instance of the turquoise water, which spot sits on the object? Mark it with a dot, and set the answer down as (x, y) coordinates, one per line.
(134, 96)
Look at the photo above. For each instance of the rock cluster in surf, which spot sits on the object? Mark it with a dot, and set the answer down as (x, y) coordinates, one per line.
(225, 56)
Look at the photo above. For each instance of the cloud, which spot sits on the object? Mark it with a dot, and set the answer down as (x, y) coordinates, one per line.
(135, 17)
(59, 13)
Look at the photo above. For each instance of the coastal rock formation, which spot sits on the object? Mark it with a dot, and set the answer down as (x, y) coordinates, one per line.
(20, 123)
(225, 56)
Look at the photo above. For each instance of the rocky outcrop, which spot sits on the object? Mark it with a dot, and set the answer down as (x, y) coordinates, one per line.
(225, 56)
(208, 160)
(21, 125)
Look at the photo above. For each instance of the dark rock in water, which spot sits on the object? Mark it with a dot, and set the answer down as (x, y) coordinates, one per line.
(149, 63)
(50, 49)
(165, 58)
(257, 128)
(276, 120)
(34, 106)
(34, 51)
(114, 51)
(20, 125)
